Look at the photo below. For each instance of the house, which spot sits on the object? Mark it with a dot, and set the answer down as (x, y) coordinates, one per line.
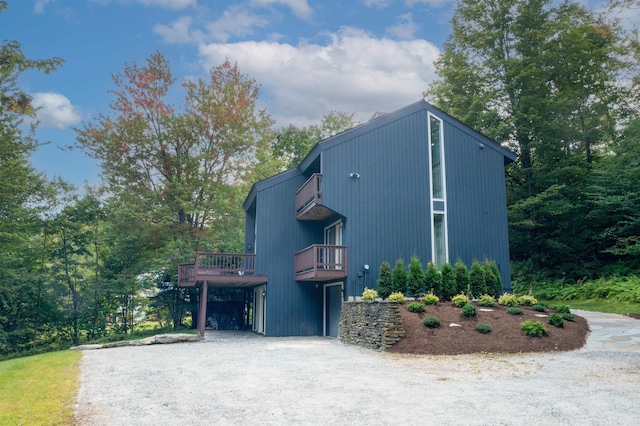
(412, 182)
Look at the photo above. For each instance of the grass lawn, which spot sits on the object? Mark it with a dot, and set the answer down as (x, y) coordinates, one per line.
(39, 389)
(597, 305)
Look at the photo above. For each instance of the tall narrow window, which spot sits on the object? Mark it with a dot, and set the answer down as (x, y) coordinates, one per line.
(439, 240)
(439, 244)
(437, 178)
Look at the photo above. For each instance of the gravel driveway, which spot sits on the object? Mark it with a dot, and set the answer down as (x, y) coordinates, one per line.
(243, 379)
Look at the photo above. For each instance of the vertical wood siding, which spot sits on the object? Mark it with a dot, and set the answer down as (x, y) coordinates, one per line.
(293, 309)
(386, 210)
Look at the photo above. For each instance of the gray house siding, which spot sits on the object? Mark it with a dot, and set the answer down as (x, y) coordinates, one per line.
(293, 309)
(385, 208)
(476, 201)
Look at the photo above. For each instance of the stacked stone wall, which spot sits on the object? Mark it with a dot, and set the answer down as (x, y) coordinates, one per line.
(375, 325)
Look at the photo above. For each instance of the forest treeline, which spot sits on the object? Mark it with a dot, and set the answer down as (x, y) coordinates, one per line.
(553, 81)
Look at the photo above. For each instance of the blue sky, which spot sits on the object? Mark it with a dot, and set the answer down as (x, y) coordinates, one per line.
(309, 56)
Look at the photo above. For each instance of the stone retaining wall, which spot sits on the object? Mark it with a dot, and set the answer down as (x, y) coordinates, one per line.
(374, 325)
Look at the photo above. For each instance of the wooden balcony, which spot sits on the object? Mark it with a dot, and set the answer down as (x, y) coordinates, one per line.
(321, 262)
(309, 200)
(221, 270)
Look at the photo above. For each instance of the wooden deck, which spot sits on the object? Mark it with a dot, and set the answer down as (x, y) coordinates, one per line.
(221, 270)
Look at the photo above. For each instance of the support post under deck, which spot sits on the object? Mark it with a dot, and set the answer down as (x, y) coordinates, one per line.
(202, 312)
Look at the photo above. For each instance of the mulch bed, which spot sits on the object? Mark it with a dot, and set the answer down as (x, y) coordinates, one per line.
(505, 335)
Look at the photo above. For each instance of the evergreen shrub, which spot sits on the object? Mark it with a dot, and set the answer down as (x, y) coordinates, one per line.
(431, 322)
(568, 316)
(469, 310)
(487, 300)
(527, 300)
(430, 299)
(433, 279)
(460, 300)
(449, 284)
(399, 278)
(384, 280)
(507, 299)
(369, 294)
(533, 328)
(396, 297)
(515, 310)
(415, 285)
(415, 307)
(539, 308)
(477, 284)
(462, 277)
(483, 328)
(556, 319)
(563, 309)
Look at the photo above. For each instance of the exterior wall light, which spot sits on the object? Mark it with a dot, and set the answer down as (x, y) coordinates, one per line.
(354, 175)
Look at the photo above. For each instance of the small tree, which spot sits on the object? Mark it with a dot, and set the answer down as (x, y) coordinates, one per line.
(415, 285)
(399, 278)
(477, 282)
(462, 277)
(433, 280)
(384, 280)
(492, 278)
(449, 285)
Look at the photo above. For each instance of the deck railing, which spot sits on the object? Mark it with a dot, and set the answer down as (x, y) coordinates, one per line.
(208, 264)
(319, 259)
(309, 194)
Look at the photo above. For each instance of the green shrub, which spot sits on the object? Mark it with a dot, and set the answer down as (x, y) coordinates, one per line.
(533, 328)
(527, 300)
(487, 300)
(507, 299)
(415, 285)
(567, 316)
(477, 284)
(384, 280)
(492, 278)
(433, 279)
(431, 322)
(369, 294)
(462, 277)
(449, 286)
(483, 328)
(399, 278)
(539, 308)
(460, 300)
(430, 299)
(514, 310)
(469, 310)
(415, 307)
(563, 309)
(396, 297)
(556, 319)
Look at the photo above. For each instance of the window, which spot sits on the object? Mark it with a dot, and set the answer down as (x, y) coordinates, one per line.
(437, 172)
(439, 240)
(439, 243)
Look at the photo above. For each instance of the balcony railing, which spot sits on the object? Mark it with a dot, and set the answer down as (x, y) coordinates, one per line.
(321, 262)
(220, 268)
(309, 204)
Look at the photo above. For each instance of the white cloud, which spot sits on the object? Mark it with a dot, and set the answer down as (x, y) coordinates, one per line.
(39, 6)
(352, 72)
(300, 8)
(404, 29)
(54, 110)
(169, 4)
(235, 21)
(178, 32)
